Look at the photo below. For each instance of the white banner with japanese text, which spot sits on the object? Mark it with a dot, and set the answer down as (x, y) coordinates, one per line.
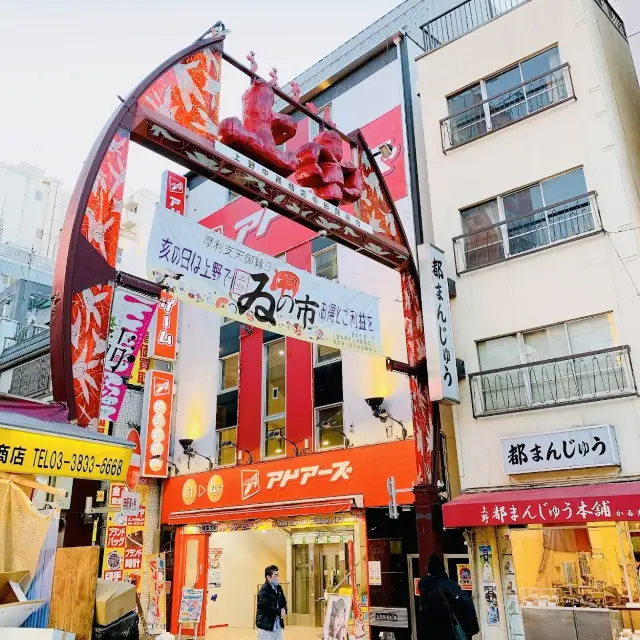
(215, 272)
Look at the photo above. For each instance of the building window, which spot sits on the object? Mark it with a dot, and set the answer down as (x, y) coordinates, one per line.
(492, 103)
(545, 213)
(330, 427)
(275, 398)
(229, 372)
(568, 362)
(325, 354)
(226, 445)
(325, 263)
(38, 195)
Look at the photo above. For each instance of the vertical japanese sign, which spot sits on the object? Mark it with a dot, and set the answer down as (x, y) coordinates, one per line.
(141, 365)
(224, 276)
(124, 538)
(438, 329)
(131, 314)
(156, 427)
(174, 192)
(164, 329)
(157, 611)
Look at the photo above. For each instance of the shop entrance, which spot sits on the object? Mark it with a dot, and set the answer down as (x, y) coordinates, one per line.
(317, 569)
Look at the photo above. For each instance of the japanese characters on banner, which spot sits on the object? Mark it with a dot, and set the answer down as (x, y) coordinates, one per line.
(125, 537)
(157, 611)
(174, 192)
(131, 314)
(217, 273)
(141, 365)
(572, 449)
(164, 329)
(436, 313)
(156, 428)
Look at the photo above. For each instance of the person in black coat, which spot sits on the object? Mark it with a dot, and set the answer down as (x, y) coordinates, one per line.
(272, 606)
(442, 602)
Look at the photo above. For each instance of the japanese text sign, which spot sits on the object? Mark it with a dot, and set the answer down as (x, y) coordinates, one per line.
(141, 365)
(157, 610)
(573, 449)
(208, 269)
(190, 605)
(174, 192)
(130, 503)
(604, 502)
(131, 314)
(436, 313)
(341, 472)
(156, 428)
(164, 329)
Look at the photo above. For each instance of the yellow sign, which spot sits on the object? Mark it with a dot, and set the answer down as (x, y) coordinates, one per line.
(215, 488)
(38, 453)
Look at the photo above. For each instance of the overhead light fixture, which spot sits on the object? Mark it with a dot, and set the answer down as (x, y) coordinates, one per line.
(190, 452)
(276, 434)
(239, 450)
(384, 416)
(281, 352)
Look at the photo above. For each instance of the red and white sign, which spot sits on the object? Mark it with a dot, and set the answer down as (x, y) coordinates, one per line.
(340, 473)
(156, 428)
(164, 329)
(174, 192)
(607, 502)
(133, 472)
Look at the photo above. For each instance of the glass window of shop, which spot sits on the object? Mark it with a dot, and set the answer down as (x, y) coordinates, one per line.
(275, 399)
(591, 566)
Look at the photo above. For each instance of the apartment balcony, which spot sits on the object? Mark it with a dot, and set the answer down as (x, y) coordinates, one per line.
(572, 379)
(543, 228)
(497, 112)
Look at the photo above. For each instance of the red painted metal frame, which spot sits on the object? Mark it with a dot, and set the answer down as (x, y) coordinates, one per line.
(81, 266)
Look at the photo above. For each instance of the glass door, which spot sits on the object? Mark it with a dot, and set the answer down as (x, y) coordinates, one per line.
(303, 591)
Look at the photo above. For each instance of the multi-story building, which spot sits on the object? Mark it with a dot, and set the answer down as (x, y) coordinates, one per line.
(263, 407)
(531, 116)
(32, 208)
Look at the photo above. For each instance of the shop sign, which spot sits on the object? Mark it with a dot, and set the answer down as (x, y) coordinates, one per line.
(164, 329)
(375, 573)
(571, 449)
(341, 472)
(224, 276)
(394, 618)
(190, 606)
(314, 521)
(131, 314)
(174, 192)
(116, 489)
(156, 428)
(36, 453)
(157, 611)
(316, 538)
(141, 365)
(122, 560)
(438, 329)
(130, 504)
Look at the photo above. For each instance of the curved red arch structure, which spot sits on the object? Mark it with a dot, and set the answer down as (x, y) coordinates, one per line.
(174, 111)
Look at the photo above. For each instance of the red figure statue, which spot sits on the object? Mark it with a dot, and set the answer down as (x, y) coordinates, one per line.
(320, 166)
(261, 129)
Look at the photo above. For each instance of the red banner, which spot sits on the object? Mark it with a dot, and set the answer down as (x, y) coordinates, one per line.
(174, 192)
(164, 330)
(156, 428)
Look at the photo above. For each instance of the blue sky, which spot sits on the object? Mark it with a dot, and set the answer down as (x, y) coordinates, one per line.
(63, 62)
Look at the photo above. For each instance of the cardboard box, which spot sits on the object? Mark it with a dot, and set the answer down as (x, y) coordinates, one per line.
(14, 606)
(37, 634)
(113, 600)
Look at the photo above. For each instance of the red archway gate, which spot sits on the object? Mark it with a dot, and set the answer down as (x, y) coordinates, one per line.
(175, 112)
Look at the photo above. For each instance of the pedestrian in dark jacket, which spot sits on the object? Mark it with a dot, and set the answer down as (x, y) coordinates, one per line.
(272, 606)
(443, 604)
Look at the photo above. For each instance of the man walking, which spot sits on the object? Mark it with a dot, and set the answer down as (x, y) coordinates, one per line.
(272, 606)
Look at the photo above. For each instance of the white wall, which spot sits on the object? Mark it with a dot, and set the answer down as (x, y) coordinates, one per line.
(629, 11)
(245, 554)
(23, 215)
(581, 278)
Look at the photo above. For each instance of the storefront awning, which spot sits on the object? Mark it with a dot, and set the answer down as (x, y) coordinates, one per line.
(264, 511)
(605, 502)
(29, 445)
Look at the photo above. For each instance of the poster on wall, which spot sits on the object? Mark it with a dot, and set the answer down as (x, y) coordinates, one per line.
(375, 573)
(465, 579)
(190, 606)
(214, 575)
(122, 559)
(131, 314)
(157, 610)
(337, 618)
(491, 598)
(359, 629)
(214, 272)
(486, 560)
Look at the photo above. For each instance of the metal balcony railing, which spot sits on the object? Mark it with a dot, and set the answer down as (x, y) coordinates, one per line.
(499, 111)
(613, 16)
(463, 19)
(586, 377)
(555, 224)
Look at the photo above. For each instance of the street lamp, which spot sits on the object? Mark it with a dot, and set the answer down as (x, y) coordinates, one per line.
(231, 443)
(190, 452)
(384, 416)
(331, 425)
(276, 434)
